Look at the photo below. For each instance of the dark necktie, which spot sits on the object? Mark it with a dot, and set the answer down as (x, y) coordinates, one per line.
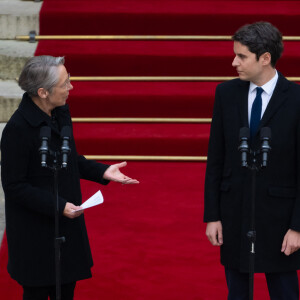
(256, 112)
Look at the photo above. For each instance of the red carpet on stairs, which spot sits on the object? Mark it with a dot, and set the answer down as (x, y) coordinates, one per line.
(156, 17)
(148, 241)
(156, 58)
(142, 99)
(142, 139)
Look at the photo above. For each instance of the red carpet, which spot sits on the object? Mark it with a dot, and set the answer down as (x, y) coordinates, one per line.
(164, 17)
(142, 139)
(148, 241)
(156, 58)
(142, 99)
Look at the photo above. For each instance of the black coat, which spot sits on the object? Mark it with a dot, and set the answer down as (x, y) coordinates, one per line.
(228, 186)
(29, 203)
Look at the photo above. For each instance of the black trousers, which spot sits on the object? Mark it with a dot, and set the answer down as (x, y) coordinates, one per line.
(42, 293)
(281, 285)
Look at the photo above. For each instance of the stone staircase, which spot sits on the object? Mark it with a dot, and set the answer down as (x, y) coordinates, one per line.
(16, 18)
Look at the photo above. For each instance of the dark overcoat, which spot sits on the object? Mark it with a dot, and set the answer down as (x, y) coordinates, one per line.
(29, 200)
(228, 185)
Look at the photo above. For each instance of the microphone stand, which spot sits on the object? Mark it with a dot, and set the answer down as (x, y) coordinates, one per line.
(58, 240)
(252, 233)
(255, 166)
(45, 134)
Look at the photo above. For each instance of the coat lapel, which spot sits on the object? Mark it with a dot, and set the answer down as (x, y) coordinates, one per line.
(278, 98)
(243, 102)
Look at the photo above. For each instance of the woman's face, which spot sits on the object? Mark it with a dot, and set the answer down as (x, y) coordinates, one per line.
(60, 91)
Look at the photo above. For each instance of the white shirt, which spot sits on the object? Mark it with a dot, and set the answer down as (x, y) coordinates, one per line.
(265, 96)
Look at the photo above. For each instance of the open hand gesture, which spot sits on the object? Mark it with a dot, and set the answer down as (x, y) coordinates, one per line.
(113, 173)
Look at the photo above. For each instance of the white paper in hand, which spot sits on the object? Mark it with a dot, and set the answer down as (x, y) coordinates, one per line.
(96, 199)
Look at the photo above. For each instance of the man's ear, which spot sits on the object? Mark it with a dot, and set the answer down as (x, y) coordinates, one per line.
(42, 93)
(266, 58)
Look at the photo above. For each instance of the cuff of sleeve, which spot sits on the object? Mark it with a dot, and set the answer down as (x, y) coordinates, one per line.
(62, 204)
(102, 180)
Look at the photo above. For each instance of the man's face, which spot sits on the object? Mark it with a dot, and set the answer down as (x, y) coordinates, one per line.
(246, 64)
(60, 92)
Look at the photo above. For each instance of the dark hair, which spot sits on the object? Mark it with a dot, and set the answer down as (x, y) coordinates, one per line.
(40, 72)
(261, 37)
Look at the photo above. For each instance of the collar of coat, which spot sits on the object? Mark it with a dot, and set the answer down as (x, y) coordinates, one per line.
(36, 117)
(278, 98)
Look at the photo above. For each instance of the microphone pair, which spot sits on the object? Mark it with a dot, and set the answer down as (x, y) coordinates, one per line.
(265, 137)
(45, 136)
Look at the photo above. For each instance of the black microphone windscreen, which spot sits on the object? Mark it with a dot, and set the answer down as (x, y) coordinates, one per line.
(265, 132)
(66, 132)
(245, 132)
(45, 132)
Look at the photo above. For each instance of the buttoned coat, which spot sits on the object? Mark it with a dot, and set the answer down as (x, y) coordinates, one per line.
(228, 185)
(29, 199)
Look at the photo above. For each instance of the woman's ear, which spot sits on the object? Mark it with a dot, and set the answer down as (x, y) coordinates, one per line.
(42, 93)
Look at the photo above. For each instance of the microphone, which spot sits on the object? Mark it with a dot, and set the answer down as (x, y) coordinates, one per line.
(65, 149)
(243, 147)
(45, 135)
(265, 137)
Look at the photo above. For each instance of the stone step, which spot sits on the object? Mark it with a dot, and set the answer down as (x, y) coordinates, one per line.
(10, 97)
(13, 56)
(18, 18)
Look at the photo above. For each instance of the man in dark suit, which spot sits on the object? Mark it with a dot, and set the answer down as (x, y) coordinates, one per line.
(260, 97)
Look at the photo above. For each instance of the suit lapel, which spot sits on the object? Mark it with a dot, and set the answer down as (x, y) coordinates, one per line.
(243, 102)
(278, 98)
